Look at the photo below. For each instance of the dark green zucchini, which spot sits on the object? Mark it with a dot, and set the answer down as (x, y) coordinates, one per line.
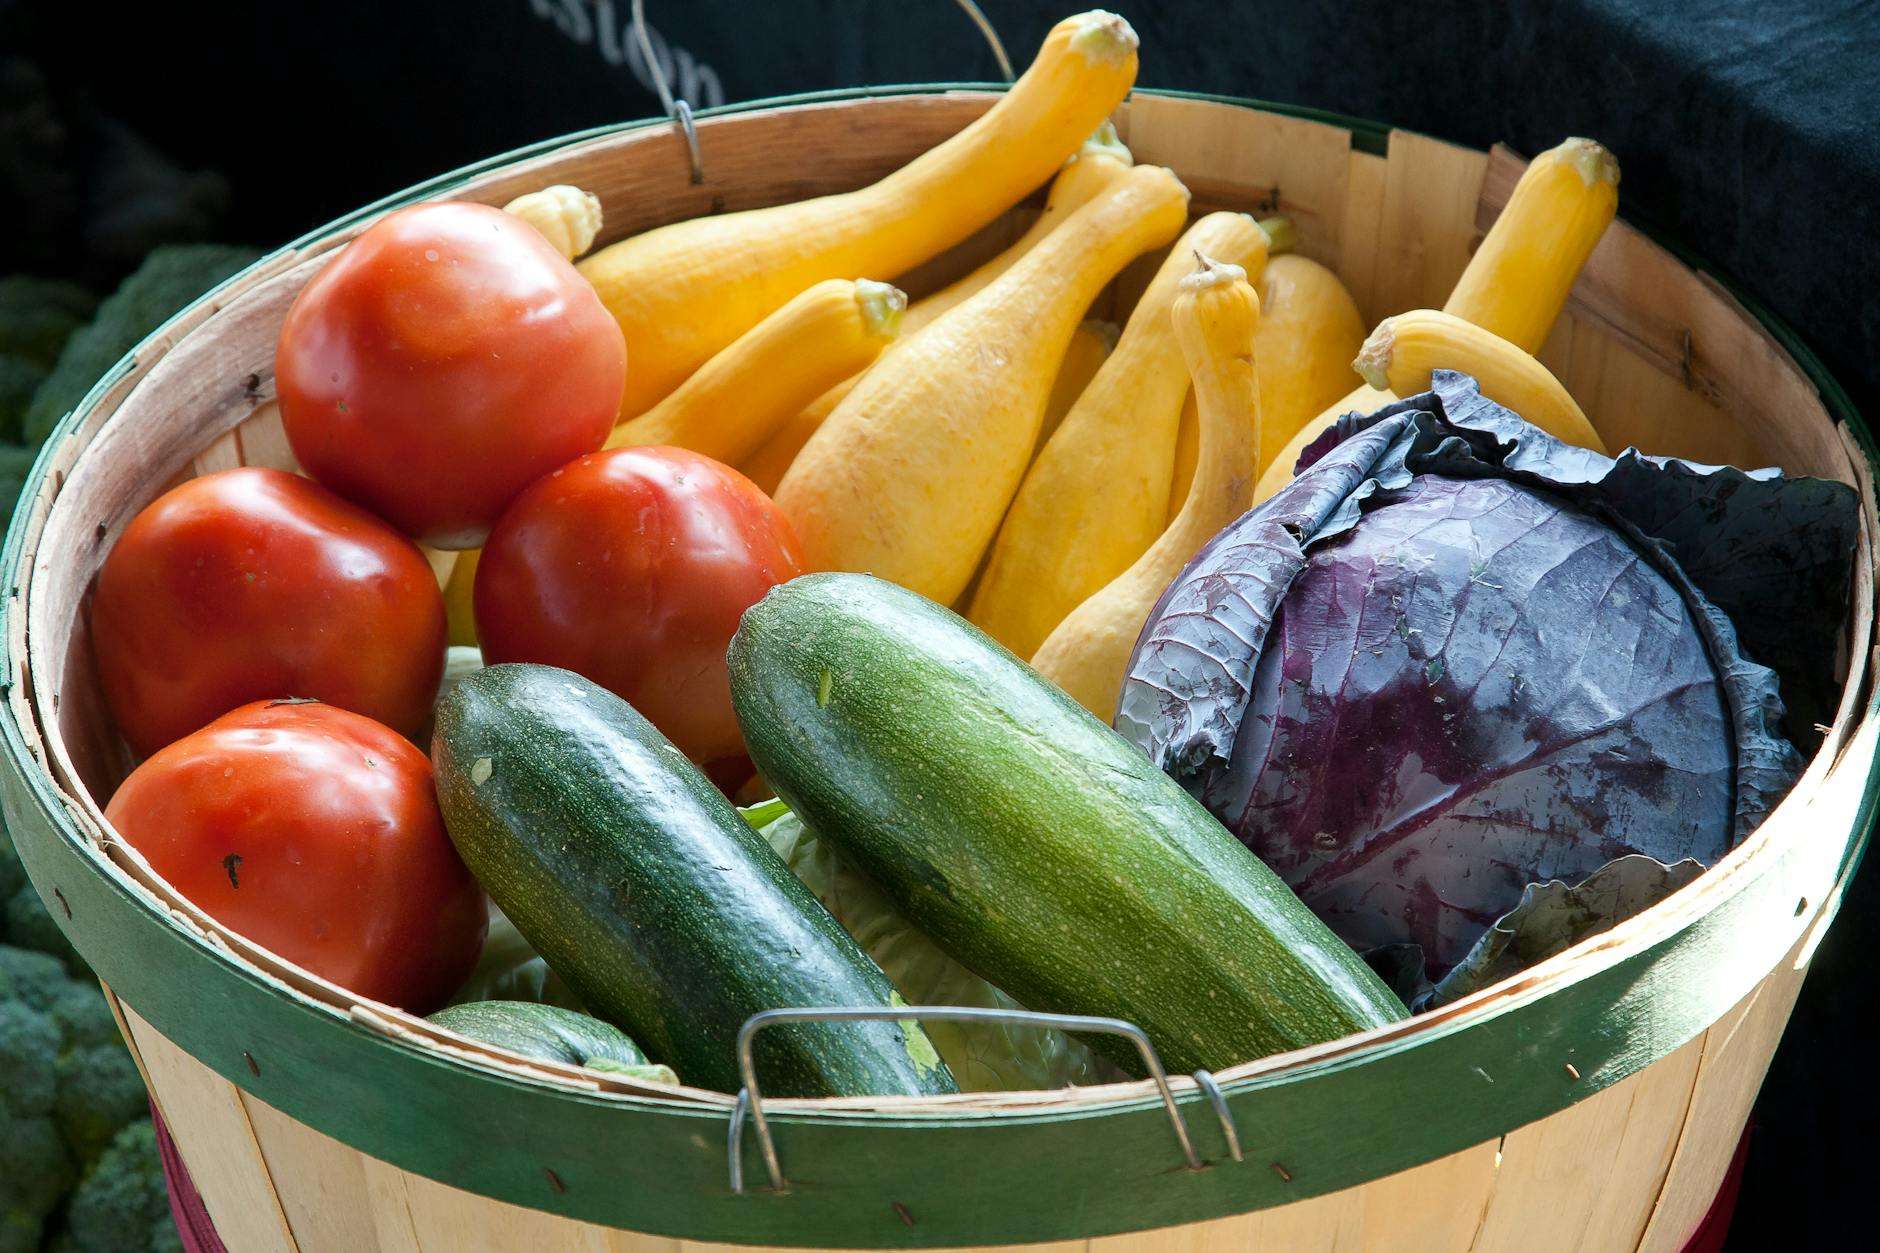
(552, 1034)
(1033, 843)
(642, 887)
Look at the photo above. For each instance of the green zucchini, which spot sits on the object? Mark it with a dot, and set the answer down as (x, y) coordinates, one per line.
(641, 886)
(552, 1034)
(1034, 844)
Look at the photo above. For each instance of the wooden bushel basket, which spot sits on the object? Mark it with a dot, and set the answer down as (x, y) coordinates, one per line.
(1591, 1103)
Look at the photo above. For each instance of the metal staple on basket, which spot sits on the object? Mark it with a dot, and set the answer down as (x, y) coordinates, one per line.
(750, 1100)
(680, 111)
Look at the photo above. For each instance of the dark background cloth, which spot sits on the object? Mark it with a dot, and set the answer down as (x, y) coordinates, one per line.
(1748, 129)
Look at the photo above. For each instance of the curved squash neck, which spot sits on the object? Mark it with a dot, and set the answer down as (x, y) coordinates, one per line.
(1046, 110)
(1063, 274)
(1227, 399)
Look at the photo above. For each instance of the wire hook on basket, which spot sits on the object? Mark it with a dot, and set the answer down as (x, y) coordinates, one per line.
(676, 108)
(751, 1101)
(979, 19)
(1204, 1079)
(680, 111)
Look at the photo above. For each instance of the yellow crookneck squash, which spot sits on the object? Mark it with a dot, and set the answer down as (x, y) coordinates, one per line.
(1519, 278)
(1097, 495)
(1214, 320)
(745, 394)
(1310, 329)
(684, 291)
(1101, 161)
(567, 217)
(1404, 350)
(910, 475)
(1091, 345)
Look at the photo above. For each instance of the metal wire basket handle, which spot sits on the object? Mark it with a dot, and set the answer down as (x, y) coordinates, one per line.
(750, 1101)
(680, 111)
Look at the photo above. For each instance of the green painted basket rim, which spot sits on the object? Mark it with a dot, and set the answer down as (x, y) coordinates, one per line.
(970, 1176)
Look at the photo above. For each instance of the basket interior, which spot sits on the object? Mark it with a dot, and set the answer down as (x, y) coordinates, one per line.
(1659, 356)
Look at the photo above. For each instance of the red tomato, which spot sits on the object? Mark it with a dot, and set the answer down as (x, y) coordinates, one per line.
(252, 584)
(315, 833)
(442, 362)
(632, 567)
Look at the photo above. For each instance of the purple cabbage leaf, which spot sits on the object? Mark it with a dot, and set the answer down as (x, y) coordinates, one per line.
(1550, 918)
(1456, 665)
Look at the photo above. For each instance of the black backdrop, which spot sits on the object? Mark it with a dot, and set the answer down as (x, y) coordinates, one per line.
(1747, 127)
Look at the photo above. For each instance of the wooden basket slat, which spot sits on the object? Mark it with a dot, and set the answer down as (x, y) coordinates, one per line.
(319, 1181)
(1590, 1177)
(223, 453)
(1529, 1203)
(763, 156)
(1361, 231)
(1399, 229)
(263, 440)
(1426, 229)
(1289, 165)
(1737, 1051)
(439, 1221)
(209, 1123)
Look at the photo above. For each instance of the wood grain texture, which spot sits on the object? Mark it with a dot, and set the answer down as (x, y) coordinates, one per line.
(321, 1183)
(1736, 1053)
(1361, 233)
(437, 1218)
(1426, 229)
(1656, 353)
(1588, 1177)
(208, 1121)
(1259, 163)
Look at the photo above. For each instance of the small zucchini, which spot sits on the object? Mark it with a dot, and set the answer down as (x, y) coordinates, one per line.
(1039, 848)
(640, 885)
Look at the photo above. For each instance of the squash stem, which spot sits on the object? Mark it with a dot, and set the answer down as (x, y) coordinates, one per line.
(1103, 142)
(1102, 35)
(1281, 234)
(882, 305)
(1591, 160)
(1373, 359)
(1211, 273)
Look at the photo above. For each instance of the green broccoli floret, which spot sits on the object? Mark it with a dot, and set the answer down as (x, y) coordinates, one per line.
(122, 1204)
(100, 1092)
(68, 1088)
(34, 1173)
(35, 1167)
(168, 279)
